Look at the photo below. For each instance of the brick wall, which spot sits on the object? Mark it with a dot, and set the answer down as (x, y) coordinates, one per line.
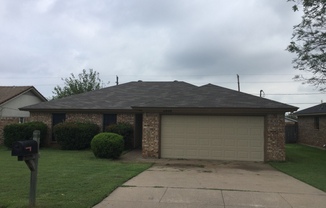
(126, 118)
(151, 134)
(96, 118)
(3, 123)
(274, 137)
(308, 134)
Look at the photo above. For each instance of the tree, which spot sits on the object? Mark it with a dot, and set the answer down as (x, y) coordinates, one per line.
(85, 82)
(309, 42)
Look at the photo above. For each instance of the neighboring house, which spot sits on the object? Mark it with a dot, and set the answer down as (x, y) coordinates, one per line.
(11, 99)
(312, 125)
(180, 120)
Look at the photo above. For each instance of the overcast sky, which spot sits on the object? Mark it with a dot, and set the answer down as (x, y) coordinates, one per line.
(196, 41)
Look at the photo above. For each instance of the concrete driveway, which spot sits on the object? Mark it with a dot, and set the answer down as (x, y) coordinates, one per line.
(195, 183)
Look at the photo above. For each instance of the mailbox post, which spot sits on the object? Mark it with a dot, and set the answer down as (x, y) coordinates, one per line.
(28, 151)
(32, 191)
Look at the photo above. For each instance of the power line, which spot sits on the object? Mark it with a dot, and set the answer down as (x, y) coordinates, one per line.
(313, 93)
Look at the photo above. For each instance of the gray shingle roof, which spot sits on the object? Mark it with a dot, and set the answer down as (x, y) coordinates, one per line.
(212, 96)
(160, 94)
(314, 110)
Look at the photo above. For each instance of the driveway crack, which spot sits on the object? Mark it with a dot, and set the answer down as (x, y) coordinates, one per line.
(223, 198)
(163, 195)
(285, 200)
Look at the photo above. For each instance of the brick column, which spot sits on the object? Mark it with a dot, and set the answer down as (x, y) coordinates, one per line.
(151, 134)
(274, 137)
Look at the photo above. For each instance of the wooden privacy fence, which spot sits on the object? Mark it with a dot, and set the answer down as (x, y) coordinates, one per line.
(291, 133)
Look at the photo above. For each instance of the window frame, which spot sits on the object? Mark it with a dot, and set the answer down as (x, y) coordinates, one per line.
(316, 122)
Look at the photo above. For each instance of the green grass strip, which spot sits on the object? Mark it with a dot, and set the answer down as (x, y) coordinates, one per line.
(65, 178)
(305, 163)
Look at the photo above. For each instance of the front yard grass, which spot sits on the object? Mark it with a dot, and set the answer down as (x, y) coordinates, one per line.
(65, 178)
(305, 163)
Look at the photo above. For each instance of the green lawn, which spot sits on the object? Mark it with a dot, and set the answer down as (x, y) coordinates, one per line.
(65, 178)
(305, 163)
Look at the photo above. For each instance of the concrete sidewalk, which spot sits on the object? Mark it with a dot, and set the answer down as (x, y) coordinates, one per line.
(195, 183)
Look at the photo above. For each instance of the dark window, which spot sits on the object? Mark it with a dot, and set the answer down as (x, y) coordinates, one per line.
(109, 119)
(21, 120)
(56, 119)
(316, 122)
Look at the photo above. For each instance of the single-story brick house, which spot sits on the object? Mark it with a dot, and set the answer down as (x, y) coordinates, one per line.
(11, 99)
(312, 125)
(180, 120)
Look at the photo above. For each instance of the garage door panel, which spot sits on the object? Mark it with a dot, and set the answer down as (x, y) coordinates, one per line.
(243, 155)
(243, 143)
(217, 142)
(212, 137)
(242, 131)
(217, 154)
(192, 153)
(256, 154)
(254, 144)
(230, 155)
(203, 142)
(256, 131)
(192, 141)
(230, 142)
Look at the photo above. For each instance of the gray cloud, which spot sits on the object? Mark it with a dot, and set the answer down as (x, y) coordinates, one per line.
(196, 41)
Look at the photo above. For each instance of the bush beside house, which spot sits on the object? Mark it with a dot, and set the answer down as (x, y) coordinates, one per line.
(107, 145)
(124, 129)
(75, 135)
(24, 131)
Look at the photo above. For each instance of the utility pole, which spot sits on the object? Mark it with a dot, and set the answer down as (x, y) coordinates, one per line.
(117, 82)
(238, 82)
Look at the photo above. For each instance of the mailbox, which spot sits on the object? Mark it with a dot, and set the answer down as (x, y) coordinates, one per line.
(24, 148)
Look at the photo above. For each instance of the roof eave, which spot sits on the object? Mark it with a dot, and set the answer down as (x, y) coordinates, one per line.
(67, 110)
(310, 114)
(39, 94)
(215, 110)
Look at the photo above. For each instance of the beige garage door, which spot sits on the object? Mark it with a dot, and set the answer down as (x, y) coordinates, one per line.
(212, 137)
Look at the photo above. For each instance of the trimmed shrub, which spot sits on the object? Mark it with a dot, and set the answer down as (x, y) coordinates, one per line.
(126, 130)
(75, 135)
(24, 131)
(107, 145)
